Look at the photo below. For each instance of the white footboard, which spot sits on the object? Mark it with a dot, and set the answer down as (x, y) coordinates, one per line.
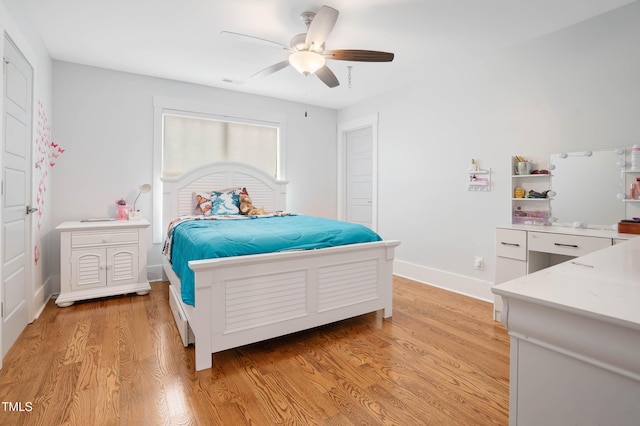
(245, 299)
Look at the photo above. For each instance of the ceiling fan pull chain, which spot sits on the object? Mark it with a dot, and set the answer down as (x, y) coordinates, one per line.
(349, 78)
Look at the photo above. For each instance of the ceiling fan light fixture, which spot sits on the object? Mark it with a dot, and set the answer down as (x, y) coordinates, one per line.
(306, 62)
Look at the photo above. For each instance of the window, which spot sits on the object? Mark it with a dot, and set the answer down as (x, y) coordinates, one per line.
(188, 134)
(191, 141)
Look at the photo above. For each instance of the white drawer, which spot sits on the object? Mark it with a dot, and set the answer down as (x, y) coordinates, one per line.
(569, 245)
(511, 243)
(83, 239)
(180, 317)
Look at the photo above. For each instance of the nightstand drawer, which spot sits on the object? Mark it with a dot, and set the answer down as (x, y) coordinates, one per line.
(511, 243)
(569, 245)
(84, 239)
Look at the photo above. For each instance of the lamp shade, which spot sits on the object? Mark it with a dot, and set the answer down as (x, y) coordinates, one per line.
(306, 62)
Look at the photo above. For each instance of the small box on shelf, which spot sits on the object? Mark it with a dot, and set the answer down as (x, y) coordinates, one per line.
(629, 227)
(531, 217)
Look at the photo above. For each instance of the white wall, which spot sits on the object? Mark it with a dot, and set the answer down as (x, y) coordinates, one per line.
(30, 45)
(104, 121)
(572, 90)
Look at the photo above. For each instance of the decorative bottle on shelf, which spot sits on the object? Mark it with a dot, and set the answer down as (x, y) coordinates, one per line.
(635, 157)
(637, 189)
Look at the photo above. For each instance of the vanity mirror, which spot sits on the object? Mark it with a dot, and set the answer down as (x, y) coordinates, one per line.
(586, 186)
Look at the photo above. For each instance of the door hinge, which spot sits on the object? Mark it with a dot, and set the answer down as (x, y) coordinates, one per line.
(2, 310)
(5, 61)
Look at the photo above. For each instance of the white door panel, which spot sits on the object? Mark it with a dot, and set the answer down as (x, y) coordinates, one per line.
(14, 197)
(361, 166)
(14, 294)
(361, 190)
(14, 244)
(359, 177)
(17, 88)
(361, 214)
(15, 133)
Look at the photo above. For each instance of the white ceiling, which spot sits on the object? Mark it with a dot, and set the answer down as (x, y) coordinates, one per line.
(181, 39)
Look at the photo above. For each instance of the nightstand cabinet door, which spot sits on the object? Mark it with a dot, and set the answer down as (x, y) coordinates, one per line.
(88, 269)
(122, 265)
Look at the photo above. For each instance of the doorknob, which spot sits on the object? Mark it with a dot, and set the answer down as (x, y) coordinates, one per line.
(31, 209)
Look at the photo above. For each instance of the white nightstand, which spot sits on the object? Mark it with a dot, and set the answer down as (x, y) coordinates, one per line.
(99, 259)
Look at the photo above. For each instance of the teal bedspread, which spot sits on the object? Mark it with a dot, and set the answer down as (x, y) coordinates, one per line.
(208, 239)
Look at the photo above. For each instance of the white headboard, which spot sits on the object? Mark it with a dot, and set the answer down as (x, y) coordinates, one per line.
(177, 192)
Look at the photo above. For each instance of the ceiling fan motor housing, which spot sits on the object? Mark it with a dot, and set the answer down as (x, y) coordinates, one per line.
(307, 17)
(298, 42)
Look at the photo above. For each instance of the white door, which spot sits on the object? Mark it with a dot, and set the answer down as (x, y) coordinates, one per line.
(359, 176)
(16, 186)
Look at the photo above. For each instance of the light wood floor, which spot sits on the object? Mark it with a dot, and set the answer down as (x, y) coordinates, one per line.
(441, 360)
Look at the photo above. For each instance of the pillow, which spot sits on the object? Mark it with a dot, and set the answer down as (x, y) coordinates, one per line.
(225, 202)
(198, 199)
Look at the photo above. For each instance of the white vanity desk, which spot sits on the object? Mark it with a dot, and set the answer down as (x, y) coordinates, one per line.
(575, 338)
(524, 249)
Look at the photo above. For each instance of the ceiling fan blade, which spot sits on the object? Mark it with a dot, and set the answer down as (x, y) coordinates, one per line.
(270, 70)
(252, 39)
(358, 55)
(320, 27)
(327, 77)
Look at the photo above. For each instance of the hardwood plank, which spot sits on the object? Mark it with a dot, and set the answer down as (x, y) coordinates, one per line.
(440, 360)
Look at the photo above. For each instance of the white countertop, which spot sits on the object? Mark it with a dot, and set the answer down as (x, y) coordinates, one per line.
(603, 285)
(588, 232)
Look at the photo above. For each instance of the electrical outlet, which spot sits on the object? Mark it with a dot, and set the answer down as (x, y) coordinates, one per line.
(479, 263)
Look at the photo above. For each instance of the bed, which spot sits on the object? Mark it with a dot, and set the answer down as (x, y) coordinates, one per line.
(298, 289)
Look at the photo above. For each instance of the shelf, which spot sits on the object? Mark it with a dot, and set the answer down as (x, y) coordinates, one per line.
(631, 171)
(477, 183)
(629, 200)
(531, 211)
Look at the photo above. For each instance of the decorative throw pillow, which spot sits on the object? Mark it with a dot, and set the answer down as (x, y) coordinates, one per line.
(224, 202)
(200, 198)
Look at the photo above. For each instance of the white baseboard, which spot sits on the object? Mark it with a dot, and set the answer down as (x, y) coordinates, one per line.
(41, 296)
(461, 284)
(156, 273)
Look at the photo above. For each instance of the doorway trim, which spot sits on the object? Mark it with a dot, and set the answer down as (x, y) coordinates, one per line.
(344, 128)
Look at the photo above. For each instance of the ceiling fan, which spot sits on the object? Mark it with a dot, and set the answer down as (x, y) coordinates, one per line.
(306, 51)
